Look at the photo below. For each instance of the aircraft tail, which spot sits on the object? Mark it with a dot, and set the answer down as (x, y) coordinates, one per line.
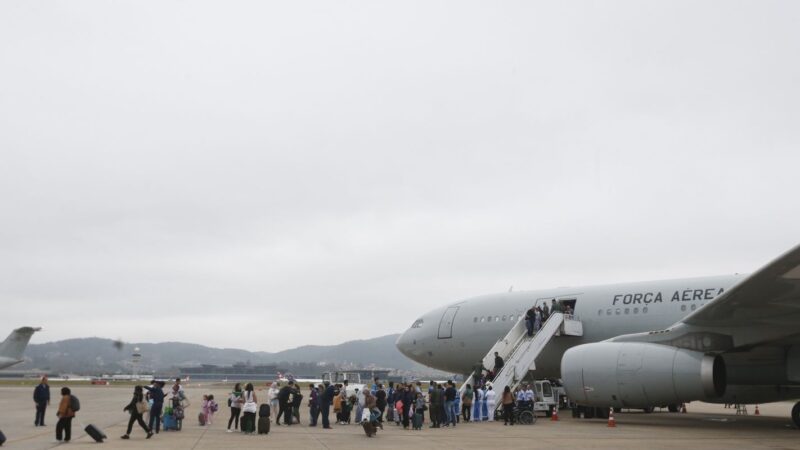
(14, 346)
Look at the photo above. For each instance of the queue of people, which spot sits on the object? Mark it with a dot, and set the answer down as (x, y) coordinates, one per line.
(405, 404)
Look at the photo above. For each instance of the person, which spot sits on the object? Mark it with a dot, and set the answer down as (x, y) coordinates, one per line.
(371, 409)
(545, 312)
(136, 408)
(235, 402)
(508, 406)
(272, 396)
(249, 409)
(408, 399)
(419, 410)
(157, 396)
(380, 401)
(466, 403)
(530, 315)
(555, 306)
(436, 402)
(337, 407)
(41, 397)
(297, 401)
(450, 395)
(528, 396)
(65, 415)
(360, 402)
(390, 402)
(325, 400)
(537, 320)
(498, 363)
(477, 402)
(284, 408)
(491, 403)
(313, 405)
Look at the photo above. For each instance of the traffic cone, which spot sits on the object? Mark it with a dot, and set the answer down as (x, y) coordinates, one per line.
(683, 408)
(757, 413)
(554, 416)
(611, 422)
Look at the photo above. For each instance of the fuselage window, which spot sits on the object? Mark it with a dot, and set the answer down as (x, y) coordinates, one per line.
(417, 324)
(627, 310)
(608, 312)
(504, 318)
(488, 318)
(475, 319)
(497, 318)
(694, 307)
(636, 310)
(599, 312)
(683, 307)
(483, 319)
(617, 311)
(644, 310)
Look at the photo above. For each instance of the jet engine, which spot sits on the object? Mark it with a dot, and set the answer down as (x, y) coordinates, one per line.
(633, 375)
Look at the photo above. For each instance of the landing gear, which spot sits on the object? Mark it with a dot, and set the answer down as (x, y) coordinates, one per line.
(796, 414)
(648, 410)
(673, 408)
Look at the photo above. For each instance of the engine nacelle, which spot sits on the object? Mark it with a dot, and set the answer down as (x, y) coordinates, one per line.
(631, 375)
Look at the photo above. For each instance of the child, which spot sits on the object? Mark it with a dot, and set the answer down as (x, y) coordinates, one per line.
(209, 408)
(419, 408)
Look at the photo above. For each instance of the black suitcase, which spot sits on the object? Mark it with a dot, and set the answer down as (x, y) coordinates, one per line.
(263, 425)
(95, 433)
(2, 438)
(263, 410)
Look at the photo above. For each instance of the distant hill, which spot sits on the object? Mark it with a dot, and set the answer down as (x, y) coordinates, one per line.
(97, 356)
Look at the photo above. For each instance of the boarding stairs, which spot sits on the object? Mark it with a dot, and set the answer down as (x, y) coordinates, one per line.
(519, 352)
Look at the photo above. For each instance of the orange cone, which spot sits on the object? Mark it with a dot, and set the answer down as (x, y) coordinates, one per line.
(683, 408)
(757, 413)
(554, 416)
(611, 422)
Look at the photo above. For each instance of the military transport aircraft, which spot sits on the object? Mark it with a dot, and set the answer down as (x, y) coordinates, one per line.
(725, 339)
(13, 347)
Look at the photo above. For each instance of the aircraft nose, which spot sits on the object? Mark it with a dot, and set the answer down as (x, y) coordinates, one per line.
(403, 344)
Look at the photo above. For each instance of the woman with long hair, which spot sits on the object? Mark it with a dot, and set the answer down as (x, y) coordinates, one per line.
(137, 407)
(508, 406)
(249, 409)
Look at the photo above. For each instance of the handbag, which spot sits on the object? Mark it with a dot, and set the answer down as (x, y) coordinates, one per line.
(249, 406)
(142, 407)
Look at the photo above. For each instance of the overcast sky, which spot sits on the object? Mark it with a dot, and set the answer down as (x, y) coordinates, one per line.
(263, 175)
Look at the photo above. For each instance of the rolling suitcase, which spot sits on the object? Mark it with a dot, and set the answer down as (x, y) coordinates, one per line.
(170, 422)
(202, 419)
(263, 410)
(2, 438)
(417, 421)
(95, 433)
(263, 424)
(369, 428)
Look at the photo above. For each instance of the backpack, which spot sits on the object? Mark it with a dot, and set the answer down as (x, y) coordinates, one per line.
(214, 406)
(74, 403)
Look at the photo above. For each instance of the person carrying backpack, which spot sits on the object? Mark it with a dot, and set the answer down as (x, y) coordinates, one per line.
(67, 408)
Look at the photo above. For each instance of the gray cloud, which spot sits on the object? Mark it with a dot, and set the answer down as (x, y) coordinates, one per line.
(315, 172)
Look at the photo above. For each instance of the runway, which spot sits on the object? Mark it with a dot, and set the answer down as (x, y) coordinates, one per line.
(705, 426)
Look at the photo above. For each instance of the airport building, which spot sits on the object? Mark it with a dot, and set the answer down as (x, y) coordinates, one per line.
(238, 372)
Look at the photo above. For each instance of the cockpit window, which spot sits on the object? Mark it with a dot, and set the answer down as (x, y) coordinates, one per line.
(417, 323)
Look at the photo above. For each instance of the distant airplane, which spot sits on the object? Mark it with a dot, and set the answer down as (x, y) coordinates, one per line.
(728, 339)
(13, 347)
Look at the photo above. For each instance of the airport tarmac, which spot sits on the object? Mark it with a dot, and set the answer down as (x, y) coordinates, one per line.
(704, 426)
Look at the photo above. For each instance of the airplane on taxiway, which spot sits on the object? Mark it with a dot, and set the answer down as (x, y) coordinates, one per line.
(13, 347)
(724, 339)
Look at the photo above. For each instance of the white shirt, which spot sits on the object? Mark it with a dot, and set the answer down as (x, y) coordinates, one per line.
(491, 396)
(528, 395)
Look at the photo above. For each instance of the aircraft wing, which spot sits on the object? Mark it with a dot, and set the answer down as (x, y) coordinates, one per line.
(762, 308)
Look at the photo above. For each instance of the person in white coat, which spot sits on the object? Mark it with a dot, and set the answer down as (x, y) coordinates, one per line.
(491, 402)
(272, 396)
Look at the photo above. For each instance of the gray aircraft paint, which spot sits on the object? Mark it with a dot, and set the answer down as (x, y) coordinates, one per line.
(607, 311)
